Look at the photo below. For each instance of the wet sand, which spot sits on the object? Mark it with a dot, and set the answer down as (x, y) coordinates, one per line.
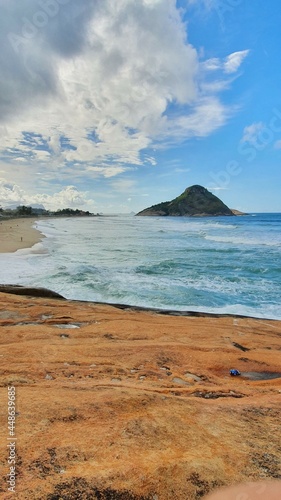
(16, 234)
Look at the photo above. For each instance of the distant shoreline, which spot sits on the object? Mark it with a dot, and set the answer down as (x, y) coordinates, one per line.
(17, 232)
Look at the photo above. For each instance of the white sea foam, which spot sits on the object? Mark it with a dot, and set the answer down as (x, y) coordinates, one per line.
(202, 265)
(241, 310)
(38, 248)
(243, 241)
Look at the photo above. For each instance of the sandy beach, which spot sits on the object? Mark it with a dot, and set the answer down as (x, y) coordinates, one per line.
(16, 234)
(135, 405)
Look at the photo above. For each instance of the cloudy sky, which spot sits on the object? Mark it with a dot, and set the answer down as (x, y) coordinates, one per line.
(115, 105)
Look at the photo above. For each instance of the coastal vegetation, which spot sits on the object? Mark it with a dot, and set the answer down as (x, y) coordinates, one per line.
(28, 211)
(194, 201)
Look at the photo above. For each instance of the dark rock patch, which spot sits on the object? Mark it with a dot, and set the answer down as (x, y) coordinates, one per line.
(202, 486)
(31, 291)
(217, 394)
(268, 464)
(241, 347)
(80, 489)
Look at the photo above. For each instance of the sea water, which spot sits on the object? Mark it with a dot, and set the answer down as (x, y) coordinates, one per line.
(220, 265)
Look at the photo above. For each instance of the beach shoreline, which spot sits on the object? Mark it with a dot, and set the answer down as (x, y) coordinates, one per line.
(18, 233)
(122, 261)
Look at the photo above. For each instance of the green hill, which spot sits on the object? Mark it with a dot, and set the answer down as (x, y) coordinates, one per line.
(194, 201)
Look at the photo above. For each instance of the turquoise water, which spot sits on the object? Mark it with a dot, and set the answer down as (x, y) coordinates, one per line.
(222, 265)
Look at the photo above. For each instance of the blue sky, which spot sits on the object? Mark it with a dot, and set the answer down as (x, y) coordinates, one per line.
(114, 106)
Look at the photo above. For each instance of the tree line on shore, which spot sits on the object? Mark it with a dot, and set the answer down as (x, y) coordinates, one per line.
(27, 211)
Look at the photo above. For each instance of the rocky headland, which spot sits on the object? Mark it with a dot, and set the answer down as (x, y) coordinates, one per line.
(195, 201)
(119, 403)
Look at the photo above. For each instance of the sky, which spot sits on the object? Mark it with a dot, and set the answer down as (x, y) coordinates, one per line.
(115, 105)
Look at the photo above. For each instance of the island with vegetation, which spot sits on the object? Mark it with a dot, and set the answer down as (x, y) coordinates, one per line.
(195, 201)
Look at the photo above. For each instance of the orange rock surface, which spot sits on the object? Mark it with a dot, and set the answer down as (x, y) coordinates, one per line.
(124, 404)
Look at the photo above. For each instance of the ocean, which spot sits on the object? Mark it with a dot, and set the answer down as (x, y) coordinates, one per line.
(218, 265)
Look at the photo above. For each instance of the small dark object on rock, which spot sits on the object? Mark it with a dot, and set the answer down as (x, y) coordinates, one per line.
(234, 373)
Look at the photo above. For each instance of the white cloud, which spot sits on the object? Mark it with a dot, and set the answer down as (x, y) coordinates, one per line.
(228, 65)
(212, 64)
(134, 62)
(90, 92)
(217, 188)
(233, 62)
(251, 132)
(12, 195)
(69, 197)
(123, 184)
(107, 171)
(208, 115)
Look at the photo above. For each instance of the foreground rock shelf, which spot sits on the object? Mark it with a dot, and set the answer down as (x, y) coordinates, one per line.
(128, 404)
